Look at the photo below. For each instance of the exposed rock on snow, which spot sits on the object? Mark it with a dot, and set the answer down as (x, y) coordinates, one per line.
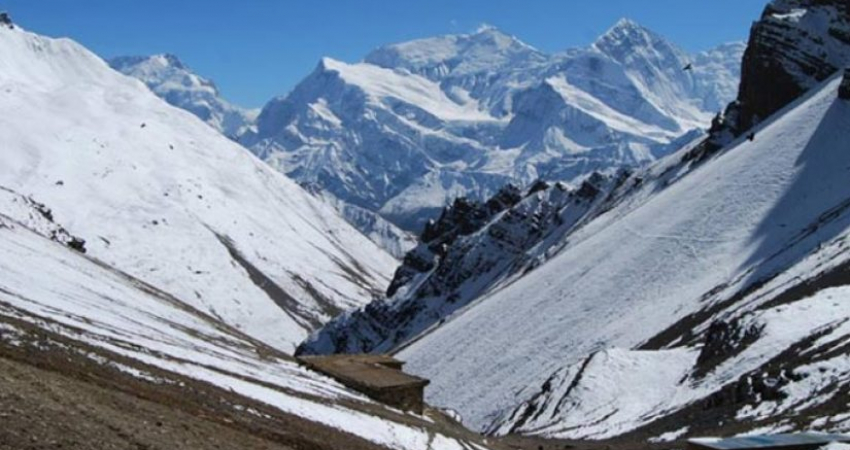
(6, 20)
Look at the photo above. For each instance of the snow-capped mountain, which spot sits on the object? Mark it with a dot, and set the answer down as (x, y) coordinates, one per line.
(174, 82)
(141, 248)
(706, 294)
(418, 124)
(157, 193)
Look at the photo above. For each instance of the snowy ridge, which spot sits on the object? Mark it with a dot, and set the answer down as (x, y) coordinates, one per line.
(442, 57)
(420, 123)
(761, 240)
(175, 83)
(157, 193)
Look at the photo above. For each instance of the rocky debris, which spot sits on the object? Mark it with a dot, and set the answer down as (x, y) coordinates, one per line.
(55, 394)
(466, 216)
(58, 233)
(462, 218)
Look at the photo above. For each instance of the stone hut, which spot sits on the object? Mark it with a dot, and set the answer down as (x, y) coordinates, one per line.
(797, 441)
(379, 377)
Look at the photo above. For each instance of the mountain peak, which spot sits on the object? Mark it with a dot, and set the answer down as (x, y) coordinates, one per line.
(626, 30)
(621, 40)
(491, 35)
(626, 23)
(169, 78)
(328, 64)
(487, 28)
(160, 60)
(169, 59)
(487, 48)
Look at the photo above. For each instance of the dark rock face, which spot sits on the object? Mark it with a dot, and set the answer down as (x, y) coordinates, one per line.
(788, 54)
(794, 46)
(461, 218)
(844, 90)
(6, 20)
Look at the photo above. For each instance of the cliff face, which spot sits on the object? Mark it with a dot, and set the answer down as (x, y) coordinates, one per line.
(794, 46)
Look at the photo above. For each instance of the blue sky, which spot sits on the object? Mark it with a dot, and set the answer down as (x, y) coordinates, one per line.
(256, 49)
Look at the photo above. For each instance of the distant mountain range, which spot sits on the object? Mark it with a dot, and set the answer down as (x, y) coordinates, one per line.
(420, 123)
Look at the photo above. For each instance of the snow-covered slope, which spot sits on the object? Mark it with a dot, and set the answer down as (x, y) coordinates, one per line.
(159, 194)
(52, 297)
(420, 123)
(731, 268)
(175, 83)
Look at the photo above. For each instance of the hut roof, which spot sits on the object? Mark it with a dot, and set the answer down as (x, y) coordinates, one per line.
(371, 371)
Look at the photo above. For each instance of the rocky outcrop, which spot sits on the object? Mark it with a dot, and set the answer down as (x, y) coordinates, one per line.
(38, 217)
(844, 90)
(723, 340)
(794, 46)
(6, 20)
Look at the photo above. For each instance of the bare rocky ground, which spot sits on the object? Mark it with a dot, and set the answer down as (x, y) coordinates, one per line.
(55, 395)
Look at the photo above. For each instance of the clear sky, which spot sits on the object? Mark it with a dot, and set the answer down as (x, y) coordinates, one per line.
(256, 49)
